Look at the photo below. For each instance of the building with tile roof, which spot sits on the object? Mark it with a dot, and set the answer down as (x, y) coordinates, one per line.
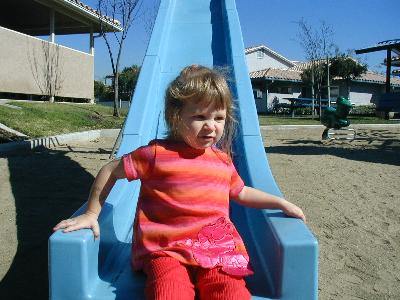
(275, 77)
(26, 59)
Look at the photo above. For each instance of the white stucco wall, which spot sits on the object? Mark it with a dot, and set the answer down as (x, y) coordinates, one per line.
(281, 97)
(364, 93)
(268, 61)
(360, 98)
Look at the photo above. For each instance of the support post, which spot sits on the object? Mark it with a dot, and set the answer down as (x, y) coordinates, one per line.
(52, 35)
(91, 50)
(266, 95)
(388, 68)
(328, 81)
(312, 92)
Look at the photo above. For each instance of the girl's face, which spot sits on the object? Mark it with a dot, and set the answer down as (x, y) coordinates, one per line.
(202, 125)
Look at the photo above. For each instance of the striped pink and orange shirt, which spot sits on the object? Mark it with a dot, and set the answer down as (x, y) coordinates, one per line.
(183, 206)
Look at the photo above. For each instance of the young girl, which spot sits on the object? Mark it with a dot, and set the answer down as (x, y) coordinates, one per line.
(183, 238)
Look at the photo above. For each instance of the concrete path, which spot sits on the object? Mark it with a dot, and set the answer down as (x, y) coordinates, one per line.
(4, 102)
(10, 130)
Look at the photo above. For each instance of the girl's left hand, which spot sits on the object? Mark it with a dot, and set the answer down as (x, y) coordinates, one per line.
(292, 210)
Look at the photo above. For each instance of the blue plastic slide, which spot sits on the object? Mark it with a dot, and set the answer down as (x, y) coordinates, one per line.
(283, 251)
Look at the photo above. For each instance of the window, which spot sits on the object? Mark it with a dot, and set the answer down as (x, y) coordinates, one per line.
(334, 92)
(257, 94)
(286, 90)
(260, 54)
(281, 89)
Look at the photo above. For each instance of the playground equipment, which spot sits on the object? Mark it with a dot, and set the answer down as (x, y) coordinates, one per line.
(283, 251)
(335, 119)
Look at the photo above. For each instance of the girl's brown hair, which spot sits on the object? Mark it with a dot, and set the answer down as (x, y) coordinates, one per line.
(202, 85)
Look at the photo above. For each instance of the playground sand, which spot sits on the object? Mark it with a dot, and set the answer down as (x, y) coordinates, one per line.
(349, 193)
(348, 190)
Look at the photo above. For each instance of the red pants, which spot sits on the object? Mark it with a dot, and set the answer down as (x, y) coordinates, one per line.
(169, 279)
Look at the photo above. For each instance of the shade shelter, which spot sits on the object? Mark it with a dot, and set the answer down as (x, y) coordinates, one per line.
(51, 17)
(25, 58)
(390, 46)
(389, 102)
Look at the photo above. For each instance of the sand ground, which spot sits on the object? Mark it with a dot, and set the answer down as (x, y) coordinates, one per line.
(348, 190)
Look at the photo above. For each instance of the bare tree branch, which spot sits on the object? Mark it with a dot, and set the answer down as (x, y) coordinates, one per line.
(317, 45)
(47, 69)
(125, 11)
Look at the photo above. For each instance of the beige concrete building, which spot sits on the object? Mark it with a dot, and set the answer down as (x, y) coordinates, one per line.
(31, 67)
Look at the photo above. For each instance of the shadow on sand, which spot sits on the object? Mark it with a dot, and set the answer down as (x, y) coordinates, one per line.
(374, 146)
(47, 186)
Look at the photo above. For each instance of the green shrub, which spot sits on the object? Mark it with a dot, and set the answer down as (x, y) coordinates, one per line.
(363, 110)
(303, 111)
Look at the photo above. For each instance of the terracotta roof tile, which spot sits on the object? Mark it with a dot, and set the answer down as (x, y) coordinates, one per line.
(377, 78)
(369, 76)
(277, 74)
(292, 75)
(92, 10)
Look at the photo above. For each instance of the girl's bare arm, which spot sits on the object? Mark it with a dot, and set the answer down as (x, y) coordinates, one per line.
(254, 198)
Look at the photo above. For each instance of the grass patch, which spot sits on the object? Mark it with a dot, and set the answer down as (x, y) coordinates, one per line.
(287, 120)
(370, 120)
(46, 119)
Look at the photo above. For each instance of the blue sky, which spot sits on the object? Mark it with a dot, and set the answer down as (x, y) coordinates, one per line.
(355, 23)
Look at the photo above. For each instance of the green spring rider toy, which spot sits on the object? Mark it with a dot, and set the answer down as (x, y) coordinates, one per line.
(335, 119)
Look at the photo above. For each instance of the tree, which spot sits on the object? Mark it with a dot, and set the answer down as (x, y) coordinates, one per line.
(127, 82)
(318, 47)
(315, 76)
(47, 69)
(346, 67)
(99, 90)
(126, 11)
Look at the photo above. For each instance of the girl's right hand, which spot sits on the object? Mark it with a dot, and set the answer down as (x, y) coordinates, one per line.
(87, 220)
